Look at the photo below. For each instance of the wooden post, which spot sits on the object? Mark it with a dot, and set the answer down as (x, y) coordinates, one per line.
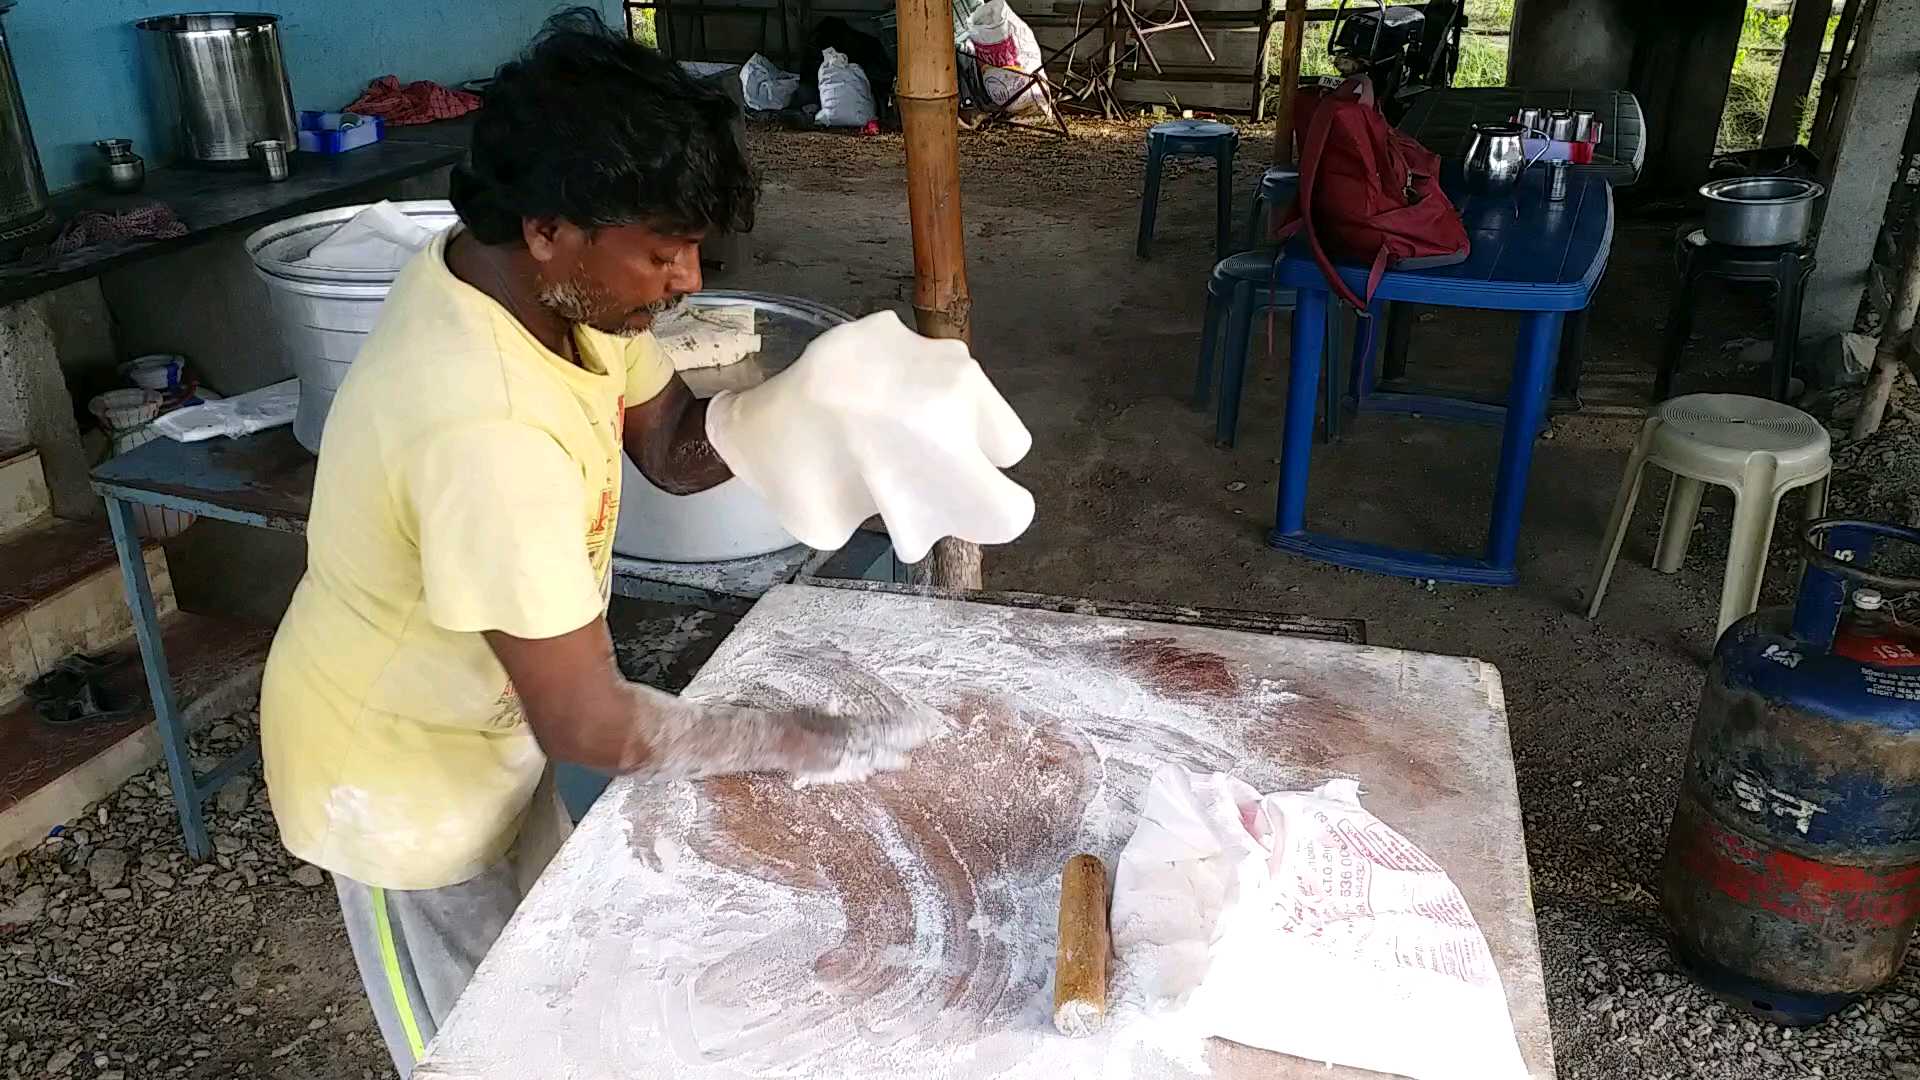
(1830, 82)
(1293, 41)
(1802, 54)
(1846, 85)
(1896, 335)
(929, 98)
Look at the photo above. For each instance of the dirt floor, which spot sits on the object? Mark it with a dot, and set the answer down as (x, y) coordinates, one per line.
(1096, 350)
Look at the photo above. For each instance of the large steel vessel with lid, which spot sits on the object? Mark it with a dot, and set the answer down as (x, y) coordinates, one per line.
(222, 74)
(25, 214)
(1792, 874)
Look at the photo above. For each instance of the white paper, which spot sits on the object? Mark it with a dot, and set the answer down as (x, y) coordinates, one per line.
(244, 414)
(377, 238)
(1299, 922)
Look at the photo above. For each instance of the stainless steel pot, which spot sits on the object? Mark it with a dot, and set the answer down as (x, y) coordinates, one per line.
(1495, 156)
(24, 211)
(1760, 211)
(122, 171)
(223, 75)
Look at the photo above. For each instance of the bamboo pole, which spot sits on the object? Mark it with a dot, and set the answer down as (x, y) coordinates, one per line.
(1837, 61)
(1842, 115)
(1293, 41)
(1896, 335)
(929, 99)
(1797, 63)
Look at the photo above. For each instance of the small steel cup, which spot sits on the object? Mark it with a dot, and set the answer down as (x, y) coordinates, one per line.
(271, 156)
(1583, 125)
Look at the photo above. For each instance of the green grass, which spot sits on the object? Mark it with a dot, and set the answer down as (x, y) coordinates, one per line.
(642, 28)
(1750, 90)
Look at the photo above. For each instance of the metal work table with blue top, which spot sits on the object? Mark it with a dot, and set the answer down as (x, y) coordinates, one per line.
(1530, 255)
(265, 481)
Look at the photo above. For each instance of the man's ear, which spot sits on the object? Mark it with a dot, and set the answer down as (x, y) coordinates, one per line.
(549, 239)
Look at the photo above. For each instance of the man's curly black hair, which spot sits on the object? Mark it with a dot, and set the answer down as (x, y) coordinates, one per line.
(597, 130)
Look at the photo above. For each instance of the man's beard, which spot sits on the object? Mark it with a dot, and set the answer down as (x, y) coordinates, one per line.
(578, 300)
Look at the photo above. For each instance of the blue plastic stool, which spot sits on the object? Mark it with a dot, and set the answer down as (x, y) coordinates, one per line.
(1190, 138)
(1278, 187)
(1240, 288)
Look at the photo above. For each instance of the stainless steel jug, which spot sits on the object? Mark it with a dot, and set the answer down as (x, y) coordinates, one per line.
(226, 80)
(25, 215)
(1495, 156)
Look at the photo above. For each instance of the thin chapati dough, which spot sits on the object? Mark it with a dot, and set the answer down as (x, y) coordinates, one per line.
(873, 418)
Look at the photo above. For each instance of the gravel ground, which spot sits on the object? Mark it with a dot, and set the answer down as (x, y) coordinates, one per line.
(123, 960)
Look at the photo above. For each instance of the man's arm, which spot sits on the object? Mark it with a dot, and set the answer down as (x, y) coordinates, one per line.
(667, 439)
(582, 710)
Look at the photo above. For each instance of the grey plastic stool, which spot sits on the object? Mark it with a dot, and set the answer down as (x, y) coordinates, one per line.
(1278, 187)
(1240, 288)
(1760, 449)
(1190, 138)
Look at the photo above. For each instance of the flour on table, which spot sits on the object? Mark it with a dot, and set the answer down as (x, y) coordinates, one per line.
(900, 927)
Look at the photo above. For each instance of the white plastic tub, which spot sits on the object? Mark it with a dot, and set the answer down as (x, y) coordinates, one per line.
(324, 312)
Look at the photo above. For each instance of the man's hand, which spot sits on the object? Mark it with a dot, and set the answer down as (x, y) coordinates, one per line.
(582, 710)
(667, 439)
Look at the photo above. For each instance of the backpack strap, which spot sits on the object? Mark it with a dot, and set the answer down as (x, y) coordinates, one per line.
(1310, 156)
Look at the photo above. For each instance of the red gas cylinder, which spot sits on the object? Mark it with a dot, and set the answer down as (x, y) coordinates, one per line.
(1792, 874)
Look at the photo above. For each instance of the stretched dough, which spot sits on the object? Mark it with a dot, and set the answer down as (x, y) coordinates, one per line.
(873, 418)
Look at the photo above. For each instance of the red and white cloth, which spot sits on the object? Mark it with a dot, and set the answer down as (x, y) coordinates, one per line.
(420, 102)
(152, 221)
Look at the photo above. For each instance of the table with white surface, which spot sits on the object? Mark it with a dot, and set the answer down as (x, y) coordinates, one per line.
(904, 926)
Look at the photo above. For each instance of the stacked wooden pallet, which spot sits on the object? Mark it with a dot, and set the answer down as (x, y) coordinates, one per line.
(1187, 79)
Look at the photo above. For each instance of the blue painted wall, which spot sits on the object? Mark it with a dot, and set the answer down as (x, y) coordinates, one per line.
(81, 65)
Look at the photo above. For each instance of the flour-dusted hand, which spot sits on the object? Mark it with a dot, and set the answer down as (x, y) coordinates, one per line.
(688, 740)
(873, 418)
(848, 749)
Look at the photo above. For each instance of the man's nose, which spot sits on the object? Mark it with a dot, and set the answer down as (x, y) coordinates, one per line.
(685, 277)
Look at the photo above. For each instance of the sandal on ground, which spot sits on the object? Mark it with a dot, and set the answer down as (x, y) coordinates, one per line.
(71, 694)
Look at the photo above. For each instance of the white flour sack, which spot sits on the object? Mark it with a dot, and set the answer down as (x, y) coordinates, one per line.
(1298, 922)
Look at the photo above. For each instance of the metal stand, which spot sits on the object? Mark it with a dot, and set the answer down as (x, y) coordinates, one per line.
(189, 790)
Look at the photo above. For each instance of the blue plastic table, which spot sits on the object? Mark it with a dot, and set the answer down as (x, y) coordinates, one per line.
(1529, 255)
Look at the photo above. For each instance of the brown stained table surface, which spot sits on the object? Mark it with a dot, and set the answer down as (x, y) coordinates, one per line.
(904, 926)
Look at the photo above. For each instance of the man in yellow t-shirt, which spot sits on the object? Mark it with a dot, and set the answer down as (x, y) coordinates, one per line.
(449, 637)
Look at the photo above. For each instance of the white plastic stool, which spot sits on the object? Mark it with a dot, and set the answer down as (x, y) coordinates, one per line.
(1761, 449)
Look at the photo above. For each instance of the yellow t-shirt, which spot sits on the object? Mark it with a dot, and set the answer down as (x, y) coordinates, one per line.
(469, 480)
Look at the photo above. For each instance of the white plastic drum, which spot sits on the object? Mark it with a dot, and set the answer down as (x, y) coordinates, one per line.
(324, 312)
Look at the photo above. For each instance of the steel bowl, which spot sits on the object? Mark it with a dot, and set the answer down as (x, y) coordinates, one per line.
(1760, 211)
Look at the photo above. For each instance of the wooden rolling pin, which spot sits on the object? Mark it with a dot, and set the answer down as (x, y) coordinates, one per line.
(1080, 967)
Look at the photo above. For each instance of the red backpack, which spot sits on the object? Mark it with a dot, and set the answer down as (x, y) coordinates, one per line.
(1368, 194)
